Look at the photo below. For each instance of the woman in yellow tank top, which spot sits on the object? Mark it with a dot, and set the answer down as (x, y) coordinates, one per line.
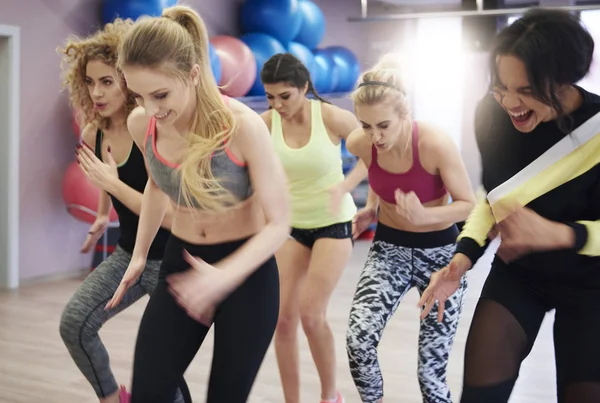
(307, 136)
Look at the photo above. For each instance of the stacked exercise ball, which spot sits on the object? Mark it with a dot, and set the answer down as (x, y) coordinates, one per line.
(296, 26)
(267, 27)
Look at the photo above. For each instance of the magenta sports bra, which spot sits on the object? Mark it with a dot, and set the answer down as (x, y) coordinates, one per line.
(426, 186)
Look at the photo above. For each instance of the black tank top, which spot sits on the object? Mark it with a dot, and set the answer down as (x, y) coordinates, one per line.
(133, 173)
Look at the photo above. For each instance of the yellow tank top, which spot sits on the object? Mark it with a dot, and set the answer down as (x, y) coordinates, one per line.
(311, 171)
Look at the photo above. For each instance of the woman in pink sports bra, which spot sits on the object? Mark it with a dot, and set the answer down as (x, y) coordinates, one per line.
(413, 169)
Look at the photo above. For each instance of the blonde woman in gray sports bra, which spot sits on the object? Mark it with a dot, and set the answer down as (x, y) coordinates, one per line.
(213, 160)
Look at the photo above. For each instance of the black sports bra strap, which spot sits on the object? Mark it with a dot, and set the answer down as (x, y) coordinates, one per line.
(98, 145)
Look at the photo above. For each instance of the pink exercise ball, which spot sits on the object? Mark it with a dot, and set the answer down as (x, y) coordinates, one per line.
(81, 196)
(238, 65)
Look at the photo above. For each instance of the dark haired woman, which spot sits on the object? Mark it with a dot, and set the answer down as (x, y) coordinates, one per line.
(307, 135)
(539, 138)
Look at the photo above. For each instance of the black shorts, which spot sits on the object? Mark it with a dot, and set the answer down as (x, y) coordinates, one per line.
(529, 295)
(308, 237)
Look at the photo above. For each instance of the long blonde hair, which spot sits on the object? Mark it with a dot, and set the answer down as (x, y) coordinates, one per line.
(384, 82)
(174, 43)
(103, 45)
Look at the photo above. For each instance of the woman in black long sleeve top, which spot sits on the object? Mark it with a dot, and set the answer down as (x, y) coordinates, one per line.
(539, 138)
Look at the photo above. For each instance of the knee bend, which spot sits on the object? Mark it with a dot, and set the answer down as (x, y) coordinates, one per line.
(69, 328)
(312, 321)
(359, 349)
(287, 325)
(73, 327)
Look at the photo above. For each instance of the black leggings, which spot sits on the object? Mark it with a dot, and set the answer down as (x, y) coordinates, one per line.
(168, 338)
(507, 320)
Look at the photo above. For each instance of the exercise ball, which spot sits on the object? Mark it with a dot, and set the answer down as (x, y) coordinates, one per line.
(312, 25)
(348, 68)
(215, 63)
(168, 3)
(238, 65)
(263, 47)
(305, 56)
(326, 71)
(133, 9)
(277, 18)
(81, 196)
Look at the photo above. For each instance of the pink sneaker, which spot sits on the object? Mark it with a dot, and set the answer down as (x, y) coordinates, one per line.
(339, 399)
(124, 396)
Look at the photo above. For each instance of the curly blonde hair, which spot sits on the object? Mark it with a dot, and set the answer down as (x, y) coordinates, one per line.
(103, 45)
(174, 43)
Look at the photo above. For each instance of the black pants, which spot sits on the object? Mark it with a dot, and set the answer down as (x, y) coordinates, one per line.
(168, 338)
(513, 304)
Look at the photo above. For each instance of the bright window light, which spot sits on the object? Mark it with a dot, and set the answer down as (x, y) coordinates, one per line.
(512, 19)
(437, 65)
(591, 20)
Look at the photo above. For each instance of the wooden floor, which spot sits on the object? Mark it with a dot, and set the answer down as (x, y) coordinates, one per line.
(35, 366)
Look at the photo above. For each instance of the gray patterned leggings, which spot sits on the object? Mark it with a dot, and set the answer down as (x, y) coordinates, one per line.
(390, 271)
(84, 315)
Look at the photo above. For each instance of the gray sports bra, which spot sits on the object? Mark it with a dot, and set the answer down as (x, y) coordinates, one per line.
(233, 175)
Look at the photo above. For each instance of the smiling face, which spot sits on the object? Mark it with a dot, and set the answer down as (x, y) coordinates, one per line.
(382, 122)
(287, 100)
(104, 88)
(514, 93)
(162, 95)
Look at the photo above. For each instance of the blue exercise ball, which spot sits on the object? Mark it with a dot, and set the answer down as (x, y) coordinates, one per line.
(312, 25)
(263, 47)
(133, 9)
(305, 56)
(215, 62)
(326, 71)
(169, 3)
(348, 67)
(277, 18)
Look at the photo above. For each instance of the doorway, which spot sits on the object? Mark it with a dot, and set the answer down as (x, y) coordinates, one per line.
(9, 155)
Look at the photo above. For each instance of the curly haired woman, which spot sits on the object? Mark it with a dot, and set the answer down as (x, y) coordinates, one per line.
(115, 165)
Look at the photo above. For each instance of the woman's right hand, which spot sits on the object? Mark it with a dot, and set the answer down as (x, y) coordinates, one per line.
(361, 221)
(96, 230)
(443, 284)
(133, 273)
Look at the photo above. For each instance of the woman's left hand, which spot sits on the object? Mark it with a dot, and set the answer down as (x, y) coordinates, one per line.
(101, 174)
(200, 289)
(524, 231)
